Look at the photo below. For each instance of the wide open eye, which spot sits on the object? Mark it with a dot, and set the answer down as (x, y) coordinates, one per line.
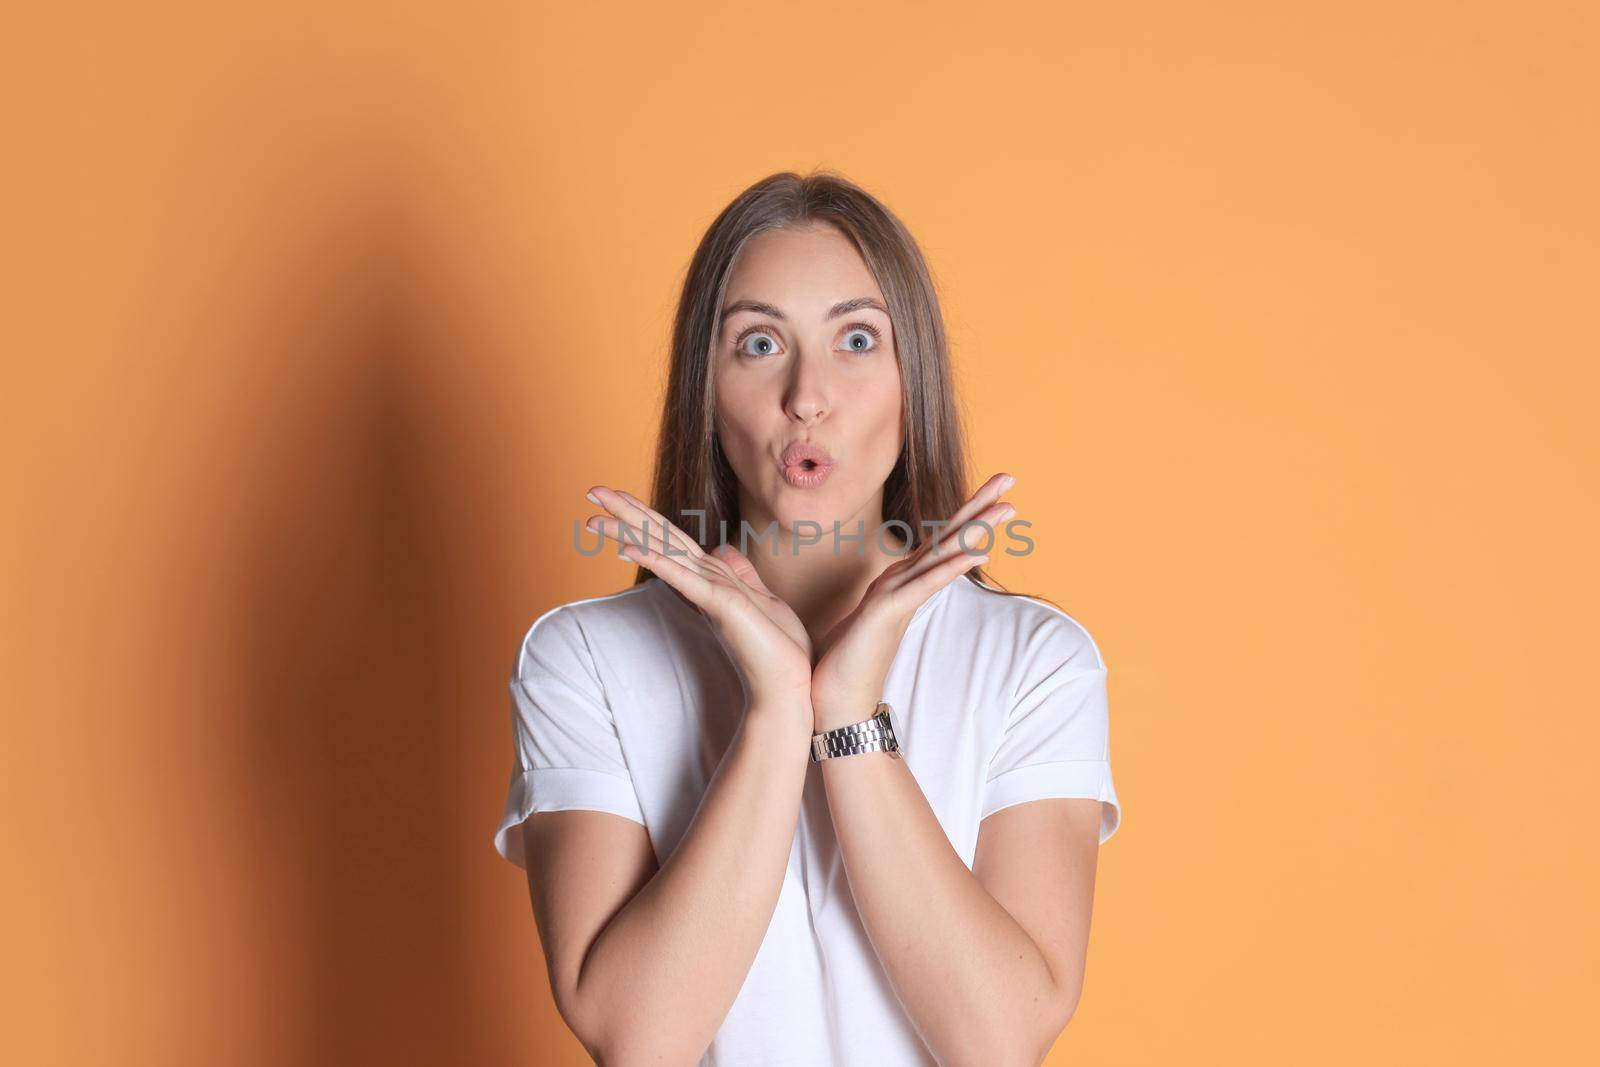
(863, 337)
(765, 344)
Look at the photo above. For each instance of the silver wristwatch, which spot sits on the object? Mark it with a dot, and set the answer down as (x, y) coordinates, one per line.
(870, 735)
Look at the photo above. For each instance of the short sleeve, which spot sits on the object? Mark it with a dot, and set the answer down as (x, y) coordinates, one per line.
(1057, 734)
(567, 751)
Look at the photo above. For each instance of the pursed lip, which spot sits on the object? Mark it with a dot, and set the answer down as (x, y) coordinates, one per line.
(799, 453)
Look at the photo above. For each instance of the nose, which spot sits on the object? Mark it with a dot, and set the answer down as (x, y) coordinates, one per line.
(807, 398)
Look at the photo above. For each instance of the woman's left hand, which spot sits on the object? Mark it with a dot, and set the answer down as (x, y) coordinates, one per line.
(847, 682)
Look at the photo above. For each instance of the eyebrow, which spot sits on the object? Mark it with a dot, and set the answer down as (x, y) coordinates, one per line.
(843, 307)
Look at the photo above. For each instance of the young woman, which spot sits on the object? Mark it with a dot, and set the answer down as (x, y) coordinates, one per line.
(710, 885)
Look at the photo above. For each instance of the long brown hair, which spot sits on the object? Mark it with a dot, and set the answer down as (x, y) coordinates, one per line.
(929, 481)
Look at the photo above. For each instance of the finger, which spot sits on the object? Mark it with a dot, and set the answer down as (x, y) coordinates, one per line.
(987, 495)
(696, 587)
(936, 576)
(626, 535)
(687, 543)
(981, 535)
(639, 517)
(985, 498)
(713, 573)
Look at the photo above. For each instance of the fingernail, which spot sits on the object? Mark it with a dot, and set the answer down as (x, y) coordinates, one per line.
(591, 498)
(1007, 482)
(1007, 511)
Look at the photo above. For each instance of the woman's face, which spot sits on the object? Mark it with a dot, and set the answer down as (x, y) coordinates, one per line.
(805, 353)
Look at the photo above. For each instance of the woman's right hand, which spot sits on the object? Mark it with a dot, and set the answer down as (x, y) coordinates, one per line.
(761, 634)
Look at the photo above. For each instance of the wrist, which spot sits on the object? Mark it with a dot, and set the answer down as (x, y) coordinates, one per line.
(788, 714)
(837, 713)
(873, 734)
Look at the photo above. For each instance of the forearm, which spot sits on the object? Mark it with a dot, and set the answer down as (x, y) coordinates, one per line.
(973, 982)
(660, 978)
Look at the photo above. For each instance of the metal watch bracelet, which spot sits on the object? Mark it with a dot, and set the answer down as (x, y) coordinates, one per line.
(870, 735)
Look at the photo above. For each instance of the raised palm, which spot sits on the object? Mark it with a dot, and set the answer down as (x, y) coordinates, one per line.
(855, 655)
(762, 635)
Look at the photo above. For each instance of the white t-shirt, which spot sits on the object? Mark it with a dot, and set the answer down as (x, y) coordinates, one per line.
(626, 703)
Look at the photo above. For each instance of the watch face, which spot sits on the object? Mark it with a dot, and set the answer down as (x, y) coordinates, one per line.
(888, 713)
(894, 734)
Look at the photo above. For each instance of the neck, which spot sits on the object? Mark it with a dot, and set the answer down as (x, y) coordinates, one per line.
(823, 580)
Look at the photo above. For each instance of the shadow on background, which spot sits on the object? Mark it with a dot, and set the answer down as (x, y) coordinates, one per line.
(351, 624)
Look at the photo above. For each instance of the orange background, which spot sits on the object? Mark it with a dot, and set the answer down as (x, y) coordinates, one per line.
(319, 320)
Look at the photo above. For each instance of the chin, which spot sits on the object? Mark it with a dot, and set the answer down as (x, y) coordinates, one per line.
(805, 505)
